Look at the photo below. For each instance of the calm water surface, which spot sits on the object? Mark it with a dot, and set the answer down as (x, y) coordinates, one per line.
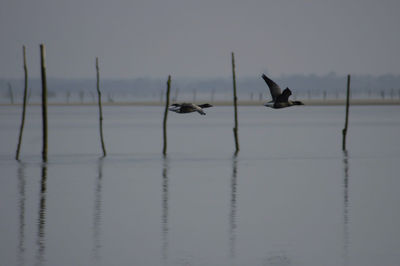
(290, 197)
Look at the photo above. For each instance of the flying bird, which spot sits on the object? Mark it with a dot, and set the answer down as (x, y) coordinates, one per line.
(279, 99)
(183, 108)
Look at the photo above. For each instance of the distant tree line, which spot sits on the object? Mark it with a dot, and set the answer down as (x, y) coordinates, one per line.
(384, 85)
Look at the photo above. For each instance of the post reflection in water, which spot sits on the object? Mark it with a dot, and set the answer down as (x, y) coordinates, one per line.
(233, 209)
(41, 245)
(97, 211)
(164, 216)
(346, 209)
(21, 216)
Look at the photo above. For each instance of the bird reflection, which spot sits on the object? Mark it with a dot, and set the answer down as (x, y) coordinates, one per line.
(42, 217)
(233, 208)
(164, 216)
(21, 217)
(97, 210)
(346, 208)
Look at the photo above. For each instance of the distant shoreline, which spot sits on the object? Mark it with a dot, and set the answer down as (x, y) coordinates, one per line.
(328, 102)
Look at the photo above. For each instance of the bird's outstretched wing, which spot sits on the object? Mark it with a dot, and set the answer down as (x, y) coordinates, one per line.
(174, 108)
(273, 87)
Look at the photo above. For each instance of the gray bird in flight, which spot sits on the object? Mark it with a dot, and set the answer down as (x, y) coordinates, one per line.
(183, 108)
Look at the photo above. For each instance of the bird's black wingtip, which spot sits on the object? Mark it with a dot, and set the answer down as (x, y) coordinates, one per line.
(265, 78)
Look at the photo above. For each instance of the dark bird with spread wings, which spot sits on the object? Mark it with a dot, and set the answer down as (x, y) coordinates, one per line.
(279, 99)
(183, 108)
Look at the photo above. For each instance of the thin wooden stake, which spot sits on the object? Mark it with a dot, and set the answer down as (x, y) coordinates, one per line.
(166, 115)
(100, 108)
(44, 101)
(344, 132)
(235, 129)
(23, 105)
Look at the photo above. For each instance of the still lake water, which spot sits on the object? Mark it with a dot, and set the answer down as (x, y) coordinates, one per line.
(290, 197)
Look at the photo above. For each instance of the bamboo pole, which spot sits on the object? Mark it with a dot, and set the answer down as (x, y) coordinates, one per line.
(344, 132)
(166, 115)
(100, 108)
(23, 105)
(44, 101)
(235, 129)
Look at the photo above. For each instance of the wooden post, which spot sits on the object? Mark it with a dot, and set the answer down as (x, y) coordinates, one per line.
(235, 129)
(166, 115)
(100, 108)
(44, 101)
(23, 105)
(344, 132)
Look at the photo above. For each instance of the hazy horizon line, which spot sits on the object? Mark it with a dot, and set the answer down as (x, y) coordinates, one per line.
(281, 76)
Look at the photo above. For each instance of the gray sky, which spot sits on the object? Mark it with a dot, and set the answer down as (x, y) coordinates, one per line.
(187, 38)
